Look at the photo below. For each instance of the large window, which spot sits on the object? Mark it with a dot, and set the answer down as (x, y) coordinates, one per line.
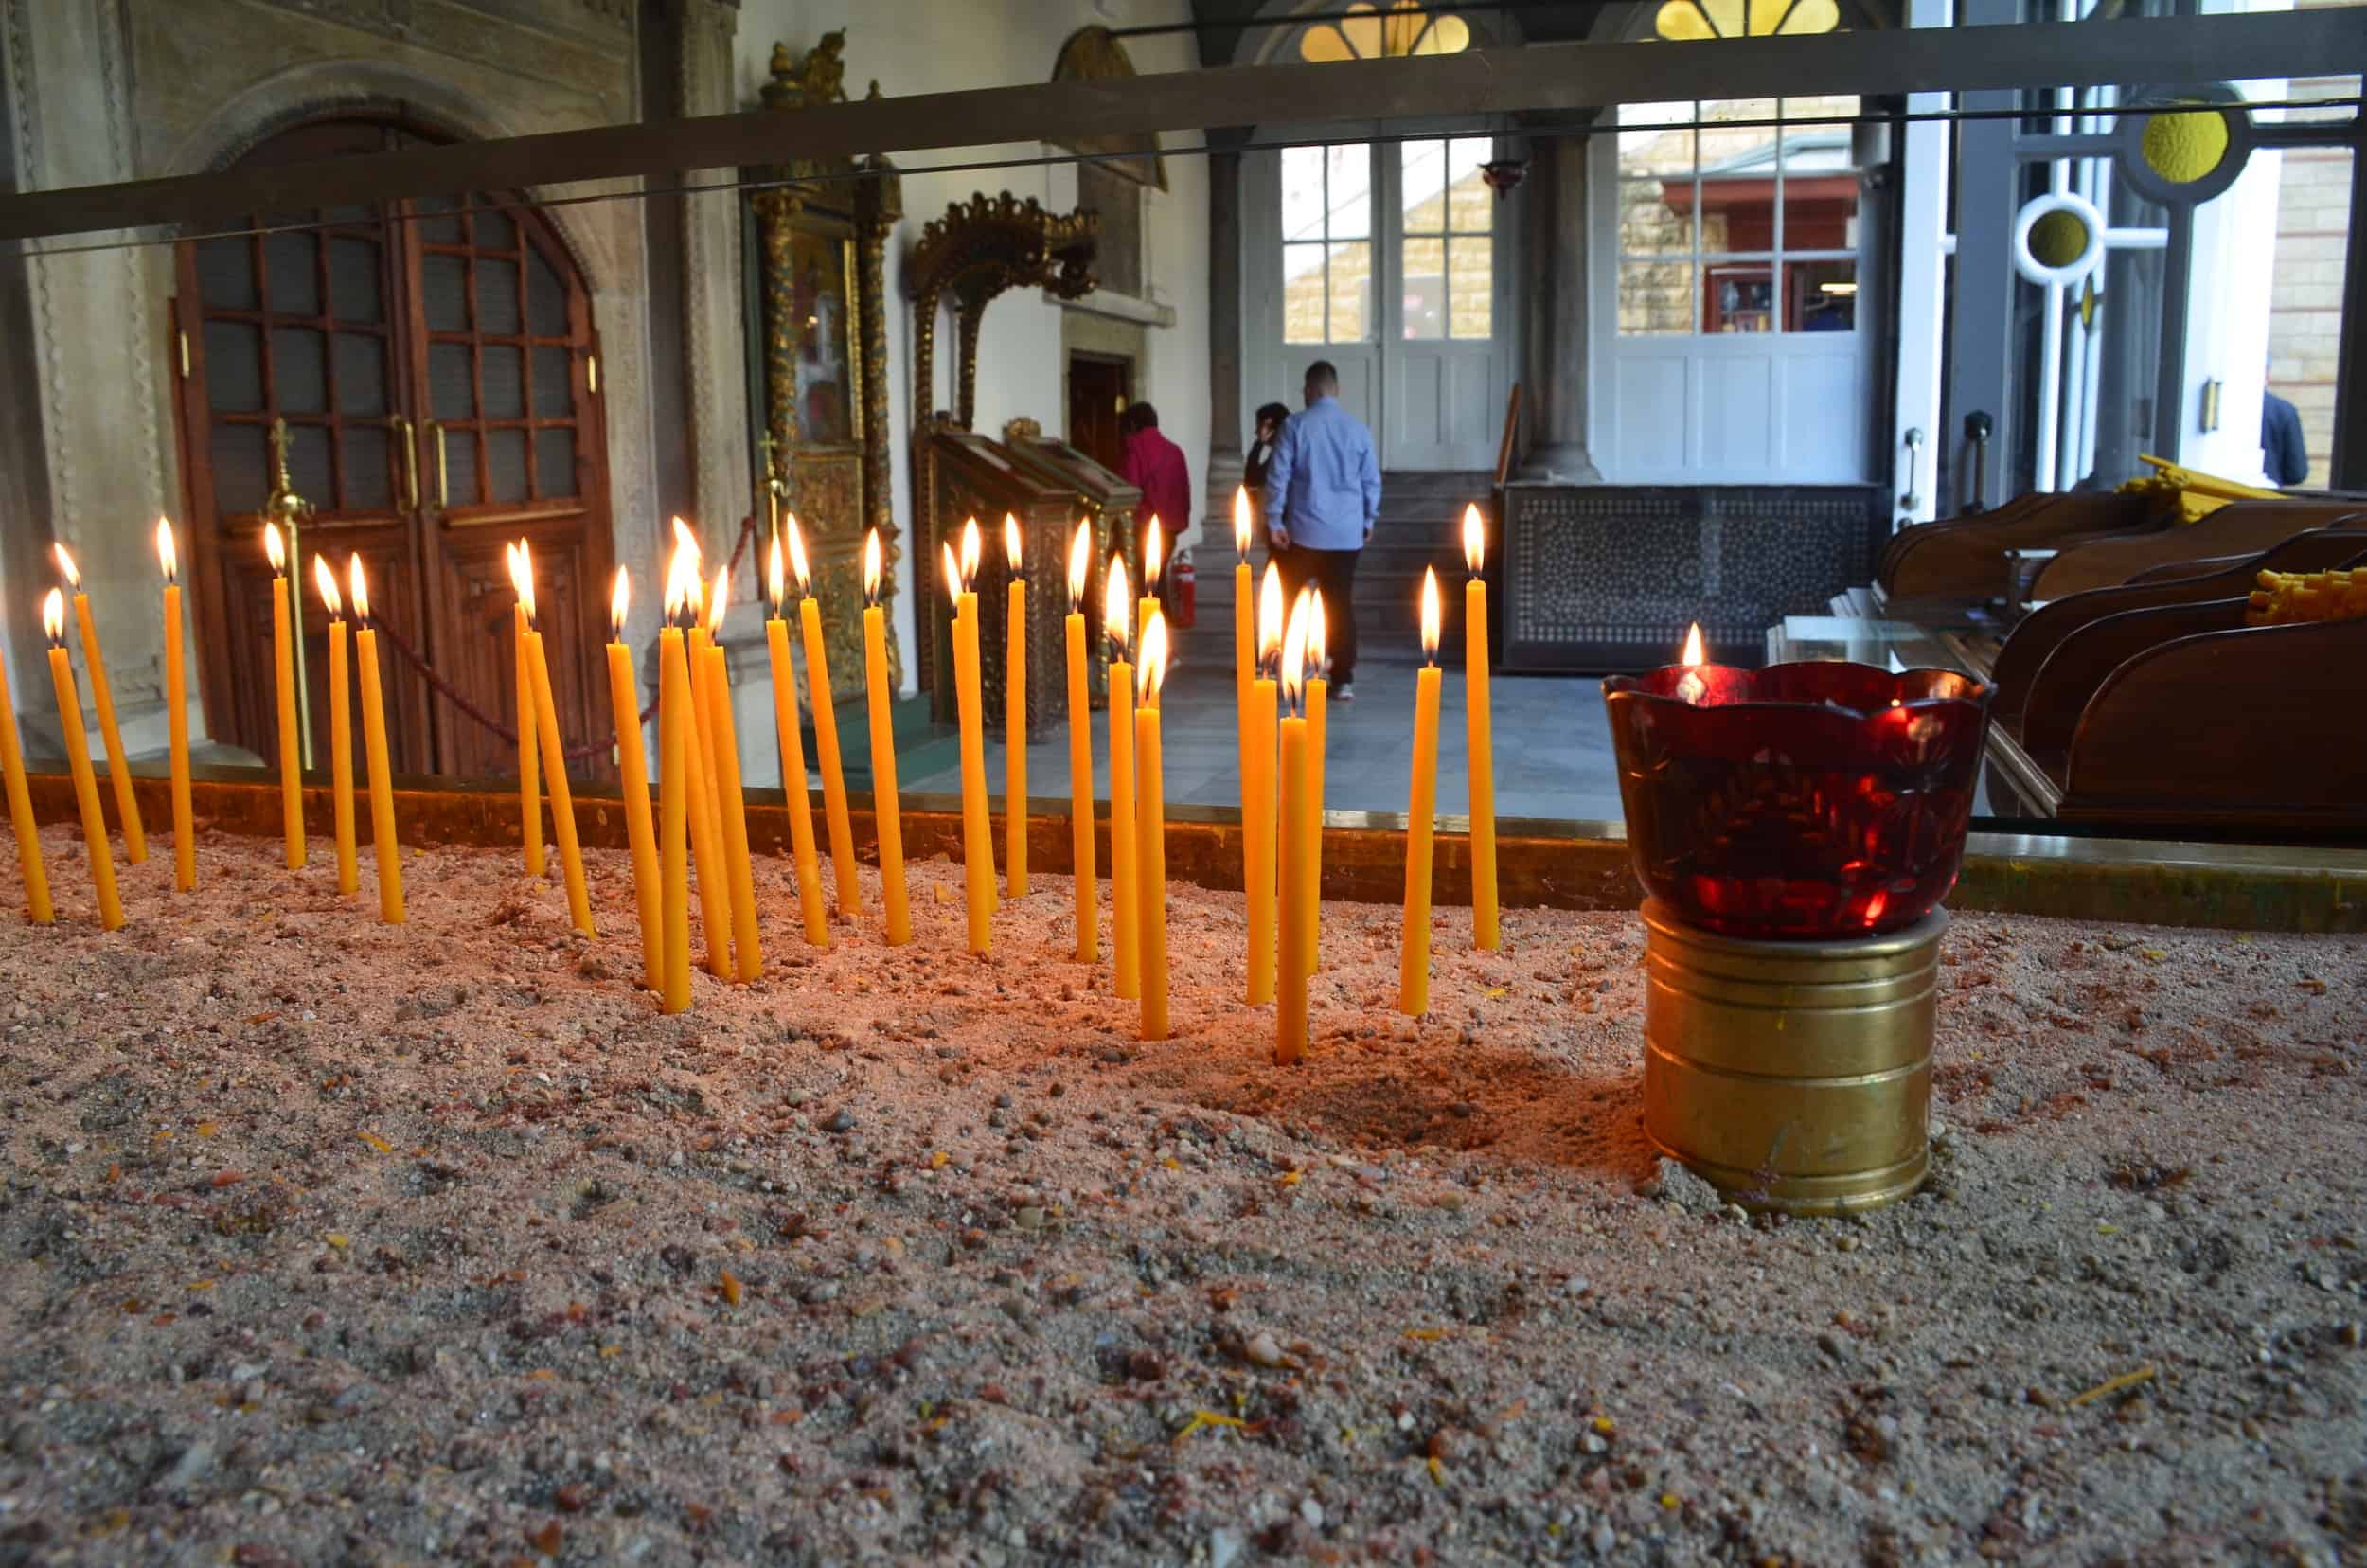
(1328, 243)
(1737, 216)
(1447, 226)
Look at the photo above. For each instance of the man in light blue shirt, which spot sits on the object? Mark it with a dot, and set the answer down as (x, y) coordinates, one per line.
(1323, 493)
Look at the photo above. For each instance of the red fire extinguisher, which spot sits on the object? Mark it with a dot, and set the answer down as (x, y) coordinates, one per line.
(1182, 593)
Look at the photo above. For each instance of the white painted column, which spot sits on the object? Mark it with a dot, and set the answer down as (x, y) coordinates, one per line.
(1921, 293)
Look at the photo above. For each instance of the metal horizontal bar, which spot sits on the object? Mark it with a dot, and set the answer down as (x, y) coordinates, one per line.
(1481, 82)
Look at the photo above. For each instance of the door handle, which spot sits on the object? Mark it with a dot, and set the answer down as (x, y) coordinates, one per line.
(1979, 427)
(1914, 497)
(443, 472)
(410, 461)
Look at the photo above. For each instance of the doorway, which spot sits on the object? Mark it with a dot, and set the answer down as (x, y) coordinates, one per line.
(436, 367)
(1099, 387)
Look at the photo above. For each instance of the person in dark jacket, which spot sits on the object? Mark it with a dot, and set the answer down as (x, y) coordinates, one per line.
(1261, 450)
(2283, 453)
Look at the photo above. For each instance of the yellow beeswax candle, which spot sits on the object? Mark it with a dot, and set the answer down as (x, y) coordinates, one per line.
(886, 814)
(674, 794)
(1421, 812)
(103, 700)
(554, 755)
(1014, 717)
(848, 875)
(340, 729)
(385, 849)
(176, 715)
(632, 768)
(102, 865)
(1125, 862)
(529, 768)
(1318, 729)
(1245, 611)
(1259, 831)
(977, 830)
(1154, 562)
(1479, 730)
(1080, 752)
(284, 665)
(1291, 922)
(29, 862)
(1150, 823)
(790, 735)
(747, 950)
(701, 738)
(706, 838)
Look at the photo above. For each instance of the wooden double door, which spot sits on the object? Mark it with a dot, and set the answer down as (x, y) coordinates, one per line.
(436, 367)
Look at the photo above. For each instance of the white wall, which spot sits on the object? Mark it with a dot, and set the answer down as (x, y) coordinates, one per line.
(914, 47)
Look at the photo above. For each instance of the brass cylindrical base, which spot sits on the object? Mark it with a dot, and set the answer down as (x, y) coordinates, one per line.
(1791, 1076)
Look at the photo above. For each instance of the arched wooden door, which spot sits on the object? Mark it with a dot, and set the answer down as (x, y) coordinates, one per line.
(436, 364)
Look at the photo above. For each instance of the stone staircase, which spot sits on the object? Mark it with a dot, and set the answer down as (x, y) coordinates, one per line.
(1421, 521)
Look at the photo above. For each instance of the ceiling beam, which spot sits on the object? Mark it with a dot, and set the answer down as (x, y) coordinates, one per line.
(2189, 49)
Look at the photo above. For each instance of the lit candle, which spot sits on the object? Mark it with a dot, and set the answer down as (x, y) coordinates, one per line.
(1080, 751)
(1015, 716)
(1689, 687)
(888, 823)
(789, 733)
(176, 715)
(1154, 543)
(1244, 615)
(529, 768)
(1293, 923)
(674, 802)
(826, 732)
(1318, 725)
(385, 849)
(1116, 621)
(554, 755)
(102, 865)
(1258, 831)
(624, 701)
(1479, 727)
(1150, 824)
(102, 698)
(977, 829)
(716, 703)
(706, 833)
(1421, 812)
(29, 862)
(283, 662)
(340, 727)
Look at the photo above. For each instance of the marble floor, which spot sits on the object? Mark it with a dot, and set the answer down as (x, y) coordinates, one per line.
(1553, 748)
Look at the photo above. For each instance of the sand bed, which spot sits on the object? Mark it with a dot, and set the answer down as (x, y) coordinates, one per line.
(329, 1242)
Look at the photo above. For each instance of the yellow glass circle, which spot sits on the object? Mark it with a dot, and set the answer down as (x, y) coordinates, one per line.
(2186, 145)
(2057, 238)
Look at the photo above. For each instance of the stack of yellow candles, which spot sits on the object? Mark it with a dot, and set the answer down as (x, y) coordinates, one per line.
(961, 576)
(886, 814)
(1080, 749)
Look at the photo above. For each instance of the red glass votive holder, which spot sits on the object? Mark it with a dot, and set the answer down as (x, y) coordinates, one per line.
(1812, 800)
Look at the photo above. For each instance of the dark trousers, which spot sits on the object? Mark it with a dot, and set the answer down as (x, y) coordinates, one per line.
(1333, 573)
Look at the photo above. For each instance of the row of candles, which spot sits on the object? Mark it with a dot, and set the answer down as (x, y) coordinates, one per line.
(700, 814)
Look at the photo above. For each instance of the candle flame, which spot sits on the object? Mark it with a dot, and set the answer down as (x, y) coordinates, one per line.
(687, 540)
(619, 601)
(1117, 607)
(681, 578)
(1318, 628)
(326, 581)
(1294, 652)
(522, 578)
(1270, 616)
(776, 575)
(361, 588)
(717, 598)
(950, 572)
(973, 549)
(1431, 615)
(53, 617)
(1240, 521)
(797, 566)
(1692, 657)
(1080, 565)
(166, 552)
(1154, 540)
(1474, 539)
(65, 564)
(1152, 672)
(670, 597)
(1011, 542)
(274, 549)
(874, 562)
